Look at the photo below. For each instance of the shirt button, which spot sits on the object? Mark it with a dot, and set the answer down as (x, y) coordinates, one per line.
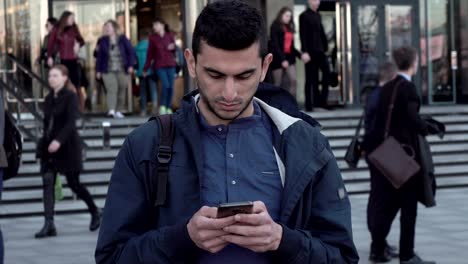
(233, 182)
(231, 155)
(220, 129)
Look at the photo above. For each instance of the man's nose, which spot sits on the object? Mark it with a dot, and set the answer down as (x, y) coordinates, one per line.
(230, 91)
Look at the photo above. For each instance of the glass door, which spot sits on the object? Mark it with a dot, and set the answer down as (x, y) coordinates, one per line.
(378, 29)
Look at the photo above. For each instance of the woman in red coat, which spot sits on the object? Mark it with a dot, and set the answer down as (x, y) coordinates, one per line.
(161, 54)
(66, 40)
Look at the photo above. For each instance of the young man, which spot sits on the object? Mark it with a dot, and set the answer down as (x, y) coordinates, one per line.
(384, 200)
(314, 44)
(229, 147)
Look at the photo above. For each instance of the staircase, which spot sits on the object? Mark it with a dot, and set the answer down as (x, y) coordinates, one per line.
(22, 195)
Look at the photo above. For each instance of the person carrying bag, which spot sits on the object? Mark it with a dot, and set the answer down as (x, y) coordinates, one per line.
(394, 160)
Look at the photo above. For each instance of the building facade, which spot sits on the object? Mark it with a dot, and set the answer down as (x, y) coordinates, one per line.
(362, 32)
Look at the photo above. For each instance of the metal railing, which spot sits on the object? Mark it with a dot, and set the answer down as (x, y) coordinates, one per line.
(22, 99)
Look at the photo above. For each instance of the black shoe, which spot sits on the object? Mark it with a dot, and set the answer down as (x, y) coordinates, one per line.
(392, 251)
(379, 258)
(47, 230)
(95, 220)
(416, 260)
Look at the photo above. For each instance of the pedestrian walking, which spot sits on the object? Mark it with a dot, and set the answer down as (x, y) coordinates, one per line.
(148, 83)
(290, 203)
(60, 149)
(284, 51)
(405, 126)
(314, 45)
(42, 60)
(114, 62)
(65, 42)
(161, 54)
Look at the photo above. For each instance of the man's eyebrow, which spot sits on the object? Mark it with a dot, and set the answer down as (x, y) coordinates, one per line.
(211, 70)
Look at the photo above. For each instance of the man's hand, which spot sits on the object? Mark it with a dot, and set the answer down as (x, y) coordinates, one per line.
(257, 231)
(130, 70)
(54, 146)
(285, 64)
(206, 231)
(98, 75)
(144, 74)
(305, 57)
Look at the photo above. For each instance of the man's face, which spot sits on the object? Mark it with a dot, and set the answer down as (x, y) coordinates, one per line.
(314, 4)
(227, 80)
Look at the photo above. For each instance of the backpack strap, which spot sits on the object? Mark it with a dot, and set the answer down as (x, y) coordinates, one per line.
(166, 137)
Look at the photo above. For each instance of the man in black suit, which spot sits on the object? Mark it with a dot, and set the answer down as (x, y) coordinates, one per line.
(314, 45)
(384, 200)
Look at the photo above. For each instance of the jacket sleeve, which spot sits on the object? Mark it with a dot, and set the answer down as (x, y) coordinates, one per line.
(303, 32)
(149, 55)
(276, 46)
(79, 37)
(51, 43)
(329, 236)
(413, 103)
(131, 55)
(98, 53)
(72, 114)
(124, 235)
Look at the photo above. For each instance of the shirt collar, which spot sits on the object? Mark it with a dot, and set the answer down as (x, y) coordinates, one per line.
(240, 123)
(406, 76)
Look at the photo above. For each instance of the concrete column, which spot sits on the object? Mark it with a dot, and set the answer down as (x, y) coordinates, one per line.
(191, 10)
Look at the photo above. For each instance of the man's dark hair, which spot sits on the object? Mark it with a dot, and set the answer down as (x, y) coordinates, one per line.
(230, 25)
(405, 57)
(52, 21)
(387, 71)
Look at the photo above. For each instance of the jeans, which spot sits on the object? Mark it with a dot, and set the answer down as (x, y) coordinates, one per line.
(144, 82)
(167, 76)
(2, 249)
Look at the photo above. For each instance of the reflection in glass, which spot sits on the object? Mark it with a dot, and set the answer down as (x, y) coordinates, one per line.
(398, 25)
(436, 44)
(463, 48)
(368, 27)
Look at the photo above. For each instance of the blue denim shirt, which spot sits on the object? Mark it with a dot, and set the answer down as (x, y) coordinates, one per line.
(240, 165)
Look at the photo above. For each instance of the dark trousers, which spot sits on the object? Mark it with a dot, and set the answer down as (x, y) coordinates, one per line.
(73, 180)
(313, 96)
(383, 206)
(73, 71)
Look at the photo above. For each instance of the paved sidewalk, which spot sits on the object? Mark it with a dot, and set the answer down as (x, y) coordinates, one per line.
(442, 234)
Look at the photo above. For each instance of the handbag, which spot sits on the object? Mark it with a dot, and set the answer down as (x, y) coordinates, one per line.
(393, 159)
(353, 153)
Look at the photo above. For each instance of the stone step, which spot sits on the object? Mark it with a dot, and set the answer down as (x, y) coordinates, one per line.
(33, 182)
(37, 209)
(460, 171)
(28, 196)
(100, 166)
(446, 160)
(92, 155)
(353, 122)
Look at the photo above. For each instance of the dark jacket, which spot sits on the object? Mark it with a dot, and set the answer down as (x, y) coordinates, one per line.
(158, 53)
(64, 111)
(277, 47)
(316, 219)
(313, 37)
(126, 52)
(64, 42)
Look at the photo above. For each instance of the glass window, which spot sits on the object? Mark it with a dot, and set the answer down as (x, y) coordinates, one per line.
(462, 28)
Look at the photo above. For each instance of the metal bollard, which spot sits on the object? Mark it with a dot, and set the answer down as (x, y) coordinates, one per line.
(106, 135)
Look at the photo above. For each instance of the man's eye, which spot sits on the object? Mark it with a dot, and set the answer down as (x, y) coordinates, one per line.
(245, 76)
(215, 76)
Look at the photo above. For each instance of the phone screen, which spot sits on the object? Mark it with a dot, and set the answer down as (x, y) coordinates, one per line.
(229, 209)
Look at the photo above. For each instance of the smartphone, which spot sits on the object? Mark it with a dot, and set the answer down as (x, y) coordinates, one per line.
(229, 209)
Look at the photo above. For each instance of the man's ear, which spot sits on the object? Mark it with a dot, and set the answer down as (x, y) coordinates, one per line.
(190, 59)
(265, 65)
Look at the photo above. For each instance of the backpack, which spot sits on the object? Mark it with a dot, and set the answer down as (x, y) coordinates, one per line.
(272, 95)
(13, 145)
